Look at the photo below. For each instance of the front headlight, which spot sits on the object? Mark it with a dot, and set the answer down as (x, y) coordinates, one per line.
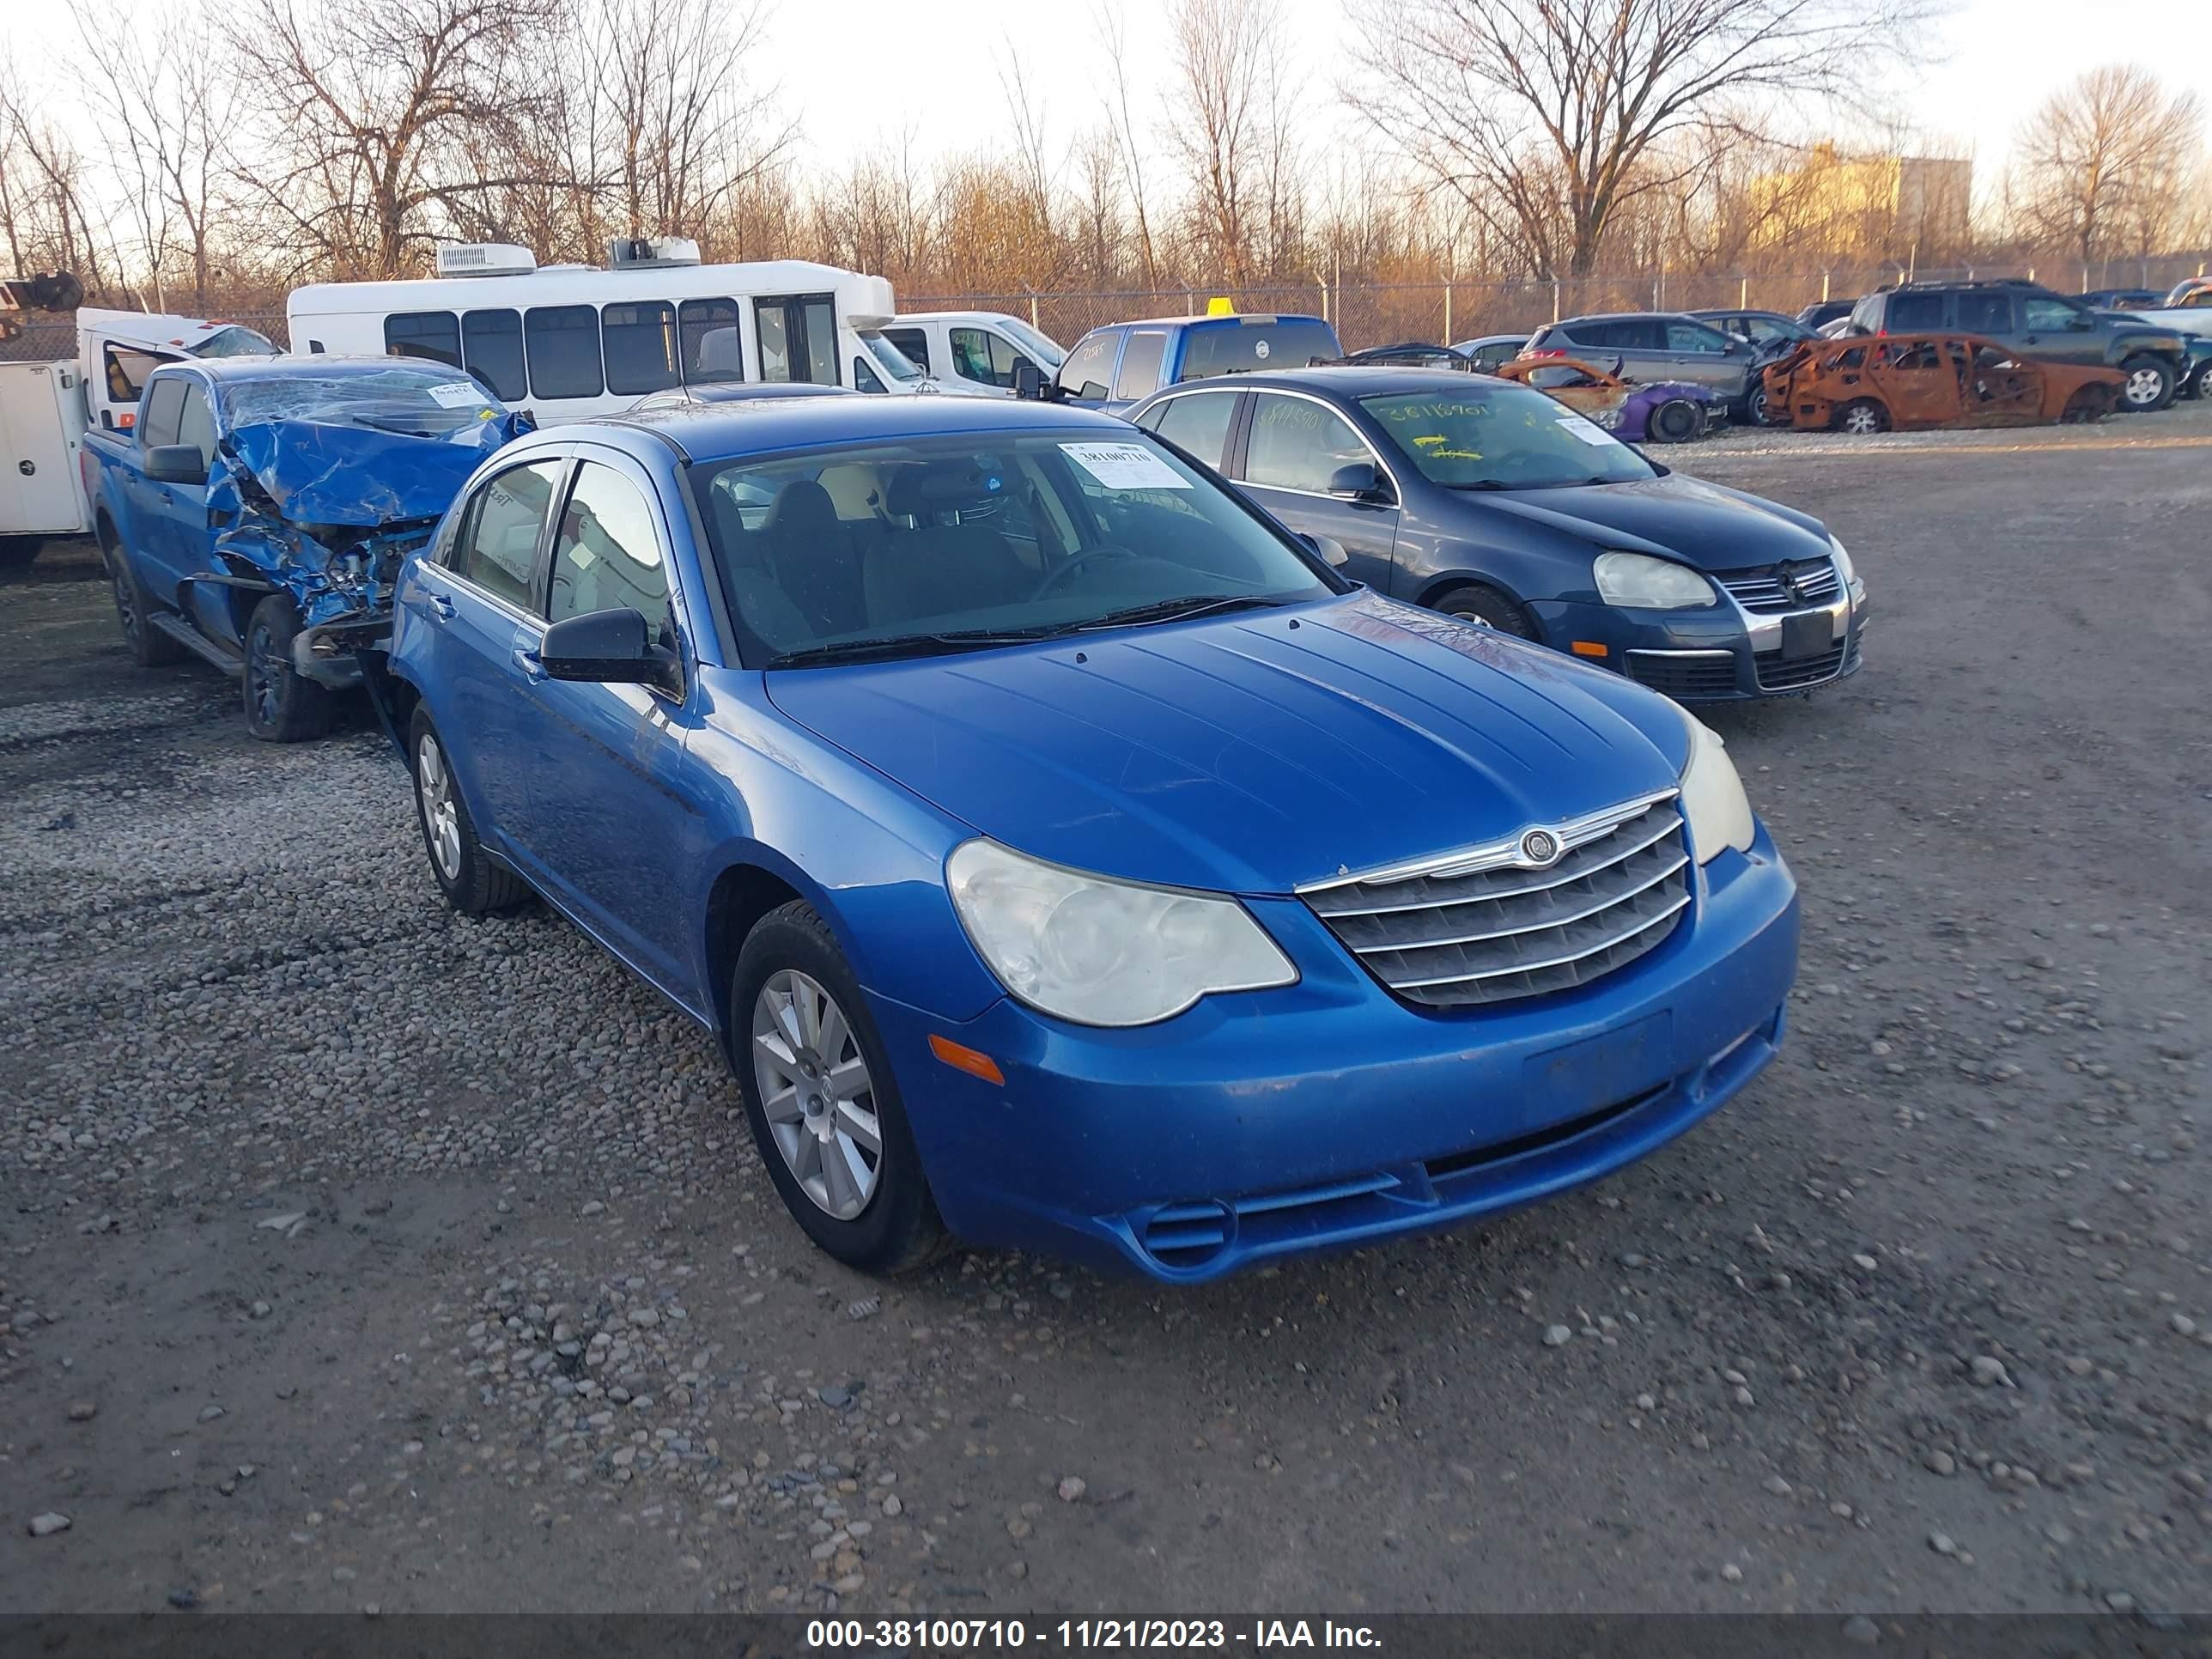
(1713, 801)
(1846, 570)
(1103, 953)
(1644, 583)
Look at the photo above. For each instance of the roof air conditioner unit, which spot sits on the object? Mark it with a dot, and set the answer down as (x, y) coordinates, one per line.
(485, 260)
(651, 253)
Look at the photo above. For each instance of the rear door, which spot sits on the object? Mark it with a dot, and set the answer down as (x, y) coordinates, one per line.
(479, 609)
(1987, 312)
(1637, 343)
(1197, 422)
(39, 493)
(1292, 446)
(1917, 381)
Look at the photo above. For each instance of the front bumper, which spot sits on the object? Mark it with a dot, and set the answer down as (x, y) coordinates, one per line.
(1718, 653)
(1329, 1115)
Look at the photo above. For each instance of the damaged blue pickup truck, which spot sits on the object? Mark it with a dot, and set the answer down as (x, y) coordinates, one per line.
(257, 512)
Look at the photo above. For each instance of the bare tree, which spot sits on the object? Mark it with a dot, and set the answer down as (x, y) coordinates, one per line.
(2102, 165)
(44, 191)
(1114, 43)
(1226, 53)
(1550, 113)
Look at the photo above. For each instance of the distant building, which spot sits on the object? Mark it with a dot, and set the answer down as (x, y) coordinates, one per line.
(1867, 207)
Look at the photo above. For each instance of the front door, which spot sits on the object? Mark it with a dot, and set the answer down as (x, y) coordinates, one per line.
(605, 817)
(1292, 450)
(2047, 331)
(798, 335)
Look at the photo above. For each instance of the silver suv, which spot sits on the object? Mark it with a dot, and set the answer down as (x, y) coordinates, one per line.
(1654, 345)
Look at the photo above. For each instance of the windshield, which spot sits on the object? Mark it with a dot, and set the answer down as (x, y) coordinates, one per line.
(889, 358)
(430, 402)
(1048, 357)
(1227, 347)
(236, 341)
(1502, 437)
(890, 550)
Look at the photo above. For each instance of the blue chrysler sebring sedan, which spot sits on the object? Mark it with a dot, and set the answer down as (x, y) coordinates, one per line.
(1066, 856)
(1491, 501)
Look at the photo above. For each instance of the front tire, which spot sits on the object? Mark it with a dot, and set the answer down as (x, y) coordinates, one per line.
(2149, 387)
(822, 1102)
(464, 872)
(1675, 421)
(1862, 418)
(1485, 607)
(281, 704)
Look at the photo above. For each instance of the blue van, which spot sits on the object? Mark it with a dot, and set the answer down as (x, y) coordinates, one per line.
(1111, 367)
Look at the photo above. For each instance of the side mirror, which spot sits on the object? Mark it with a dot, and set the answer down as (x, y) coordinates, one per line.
(176, 464)
(2081, 322)
(1331, 549)
(1359, 482)
(606, 647)
(1029, 381)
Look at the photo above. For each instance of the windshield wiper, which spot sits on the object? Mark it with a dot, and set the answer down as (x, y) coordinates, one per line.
(1160, 610)
(909, 645)
(1486, 484)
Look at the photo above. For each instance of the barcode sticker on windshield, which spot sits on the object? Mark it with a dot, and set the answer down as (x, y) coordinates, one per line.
(1125, 466)
(1588, 431)
(457, 394)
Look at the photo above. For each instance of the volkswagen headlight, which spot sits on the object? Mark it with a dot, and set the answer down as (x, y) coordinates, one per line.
(1712, 800)
(1103, 953)
(1644, 583)
(1846, 571)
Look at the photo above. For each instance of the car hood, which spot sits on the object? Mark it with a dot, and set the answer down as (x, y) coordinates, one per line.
(1250, 753)
(1700, 524)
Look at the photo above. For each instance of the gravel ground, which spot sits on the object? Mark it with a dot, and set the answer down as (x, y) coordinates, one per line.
(357, 1255)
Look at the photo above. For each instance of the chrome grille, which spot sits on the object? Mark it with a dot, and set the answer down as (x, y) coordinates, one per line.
(1481, 926)
(1764, 591)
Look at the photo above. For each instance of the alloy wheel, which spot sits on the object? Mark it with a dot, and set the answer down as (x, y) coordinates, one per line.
(2145, 387)
(441, 813)
(814, 1090)
(1862, 422)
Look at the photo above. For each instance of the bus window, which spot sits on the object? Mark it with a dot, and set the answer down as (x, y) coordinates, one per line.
(433, 334)
(563, 343)
(797, 339)
(640, 343)
(492, 349)
(707, 330)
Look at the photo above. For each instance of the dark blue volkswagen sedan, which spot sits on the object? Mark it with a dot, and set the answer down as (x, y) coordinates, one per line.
(1494, 502)
(1065, 856)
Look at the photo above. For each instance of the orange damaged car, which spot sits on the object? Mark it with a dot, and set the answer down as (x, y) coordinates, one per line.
(1913, 382)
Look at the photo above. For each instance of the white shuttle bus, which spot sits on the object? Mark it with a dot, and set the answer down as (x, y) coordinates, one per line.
(566, 342)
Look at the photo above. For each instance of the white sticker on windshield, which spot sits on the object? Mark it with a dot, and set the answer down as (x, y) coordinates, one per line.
(457, 394)
(1125, 466)
(1588, 431)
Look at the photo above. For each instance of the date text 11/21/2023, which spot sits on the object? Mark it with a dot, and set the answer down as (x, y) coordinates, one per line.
(898, 1635)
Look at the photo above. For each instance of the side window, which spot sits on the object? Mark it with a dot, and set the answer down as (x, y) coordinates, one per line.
(492, 349)
(564, 346)
(433, 334)
(971, 354)
(2046, 316)
(607, 554)
(126, 369)
(1200, 423)
(165, 403)
(1985, 312)
(196, 424)
(1089, 367)
(1297, 445)
(1140, 364)
(639, 344)
(708, 331)
(497, 547)
(1694, 336)
(913, 342)
(1910, 313)
(863, 378)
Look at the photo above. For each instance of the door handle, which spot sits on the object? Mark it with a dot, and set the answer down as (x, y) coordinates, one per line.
(527, 659)
(442, 607)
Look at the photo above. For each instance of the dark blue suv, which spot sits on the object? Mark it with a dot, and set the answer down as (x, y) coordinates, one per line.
(1492, 502)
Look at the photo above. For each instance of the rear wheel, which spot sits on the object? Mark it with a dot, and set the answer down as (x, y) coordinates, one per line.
(1756, 407)
(464, 872)
(281, 704)
(1485, 607)
(1862, 418)
(1675, 421)
(2086, 406)
(2149, 387)
(150, 646)
(824, 1107)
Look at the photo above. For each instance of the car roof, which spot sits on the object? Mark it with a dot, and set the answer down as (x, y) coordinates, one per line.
(1230, 319)
(1341, 380)
(724, 431)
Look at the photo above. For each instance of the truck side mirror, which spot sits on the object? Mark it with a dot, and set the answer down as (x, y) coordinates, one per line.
(176, 464)
(1029, 381)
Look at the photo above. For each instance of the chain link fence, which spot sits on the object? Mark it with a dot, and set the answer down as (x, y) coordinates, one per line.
(1371, 314)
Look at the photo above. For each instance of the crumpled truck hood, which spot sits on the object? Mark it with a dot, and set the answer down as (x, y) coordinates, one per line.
(326, 511)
